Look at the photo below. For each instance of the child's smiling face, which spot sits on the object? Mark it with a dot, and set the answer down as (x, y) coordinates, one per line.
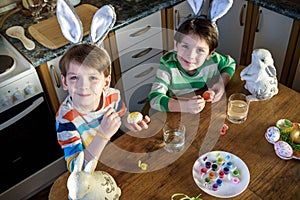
(85, 85)
(192, 52)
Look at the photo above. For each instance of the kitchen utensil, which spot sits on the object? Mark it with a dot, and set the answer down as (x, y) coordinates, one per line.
(18, 32)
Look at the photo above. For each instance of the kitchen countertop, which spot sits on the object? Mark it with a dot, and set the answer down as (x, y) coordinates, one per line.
(127, 11)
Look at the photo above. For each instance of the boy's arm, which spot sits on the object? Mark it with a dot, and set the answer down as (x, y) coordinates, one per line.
(227, 68)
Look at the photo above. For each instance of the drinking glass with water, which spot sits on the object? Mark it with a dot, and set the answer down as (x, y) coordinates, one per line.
(174, 137)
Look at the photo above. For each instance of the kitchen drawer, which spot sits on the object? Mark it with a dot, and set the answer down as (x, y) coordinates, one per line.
(137, 97)
(140, 73)
(139, 53)
(138, 31)
(136, 83)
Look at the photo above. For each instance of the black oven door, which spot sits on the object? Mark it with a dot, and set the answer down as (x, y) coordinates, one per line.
(28, 141)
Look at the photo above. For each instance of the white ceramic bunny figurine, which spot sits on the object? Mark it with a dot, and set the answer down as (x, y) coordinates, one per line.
(89, 185)
(260, 76)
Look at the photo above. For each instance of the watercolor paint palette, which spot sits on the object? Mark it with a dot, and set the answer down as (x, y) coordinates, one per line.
(221, 174)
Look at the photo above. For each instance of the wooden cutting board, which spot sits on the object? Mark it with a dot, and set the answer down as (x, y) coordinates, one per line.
(48, 32)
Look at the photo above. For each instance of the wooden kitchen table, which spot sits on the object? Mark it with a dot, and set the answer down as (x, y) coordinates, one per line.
(167, 173)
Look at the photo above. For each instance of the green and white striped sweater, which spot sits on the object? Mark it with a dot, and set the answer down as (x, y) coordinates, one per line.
(171, 79)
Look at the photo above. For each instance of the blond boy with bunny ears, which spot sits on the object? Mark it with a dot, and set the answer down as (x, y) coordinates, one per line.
(93, 111)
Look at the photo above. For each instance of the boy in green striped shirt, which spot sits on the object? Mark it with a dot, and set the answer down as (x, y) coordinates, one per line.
(192, 66)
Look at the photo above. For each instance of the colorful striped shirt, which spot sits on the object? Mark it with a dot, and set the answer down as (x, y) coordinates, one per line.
(76, 129)
(172, 80)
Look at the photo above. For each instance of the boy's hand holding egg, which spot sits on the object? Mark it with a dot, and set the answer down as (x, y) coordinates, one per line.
(208, 95)
(134, 117)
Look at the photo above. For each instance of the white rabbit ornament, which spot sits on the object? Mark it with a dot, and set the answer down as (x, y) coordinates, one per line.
(260, 76)
(88, 184)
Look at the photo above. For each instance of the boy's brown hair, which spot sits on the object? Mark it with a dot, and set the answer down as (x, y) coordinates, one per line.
(201, 27)
(88, 55)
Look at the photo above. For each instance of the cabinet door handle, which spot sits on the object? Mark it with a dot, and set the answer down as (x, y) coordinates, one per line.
(55, 76)
(144, 73)
(177, 19)
(142, 53)
(257, 21)
(140, 32)
(242, 15)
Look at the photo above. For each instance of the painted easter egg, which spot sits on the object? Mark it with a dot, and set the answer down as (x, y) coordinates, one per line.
(283, 150)
(134, 117)
(208, 95)
(272, 134)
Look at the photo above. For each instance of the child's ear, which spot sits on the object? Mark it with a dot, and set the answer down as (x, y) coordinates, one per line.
(208, 57)
(107, 82)
(64, 82)
(175, 45)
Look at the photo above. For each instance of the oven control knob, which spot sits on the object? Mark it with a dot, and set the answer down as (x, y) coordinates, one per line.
(5, 101)
(29, 90)
(18, 95)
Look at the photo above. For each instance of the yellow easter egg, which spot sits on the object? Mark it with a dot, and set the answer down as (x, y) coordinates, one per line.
(134, 117)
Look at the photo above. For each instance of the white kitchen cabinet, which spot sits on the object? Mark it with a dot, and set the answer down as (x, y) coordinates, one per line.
(273, 33)
(181, 12)
(140, 52)
(136, 83)
(138, 31)
(139, 47)
(174, 17)
(247, 27)
(231, 30)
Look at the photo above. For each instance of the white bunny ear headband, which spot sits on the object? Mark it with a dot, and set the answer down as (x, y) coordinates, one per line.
(217, 9)
(71, 26)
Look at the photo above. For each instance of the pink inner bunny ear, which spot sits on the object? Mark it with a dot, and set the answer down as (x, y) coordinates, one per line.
(196, 6)
(69, 21)
(219, 8)
(102, 22)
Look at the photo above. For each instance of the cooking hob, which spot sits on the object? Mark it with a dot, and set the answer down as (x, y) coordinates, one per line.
(18, 78)
(21, 66)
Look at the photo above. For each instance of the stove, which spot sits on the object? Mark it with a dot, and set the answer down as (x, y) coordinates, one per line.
(27, 127)
(19, 80)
